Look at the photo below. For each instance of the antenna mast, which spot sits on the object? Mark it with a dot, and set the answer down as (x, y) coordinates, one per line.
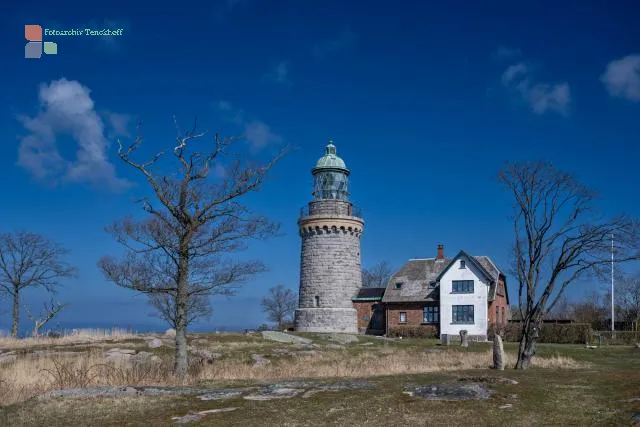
(612, 303)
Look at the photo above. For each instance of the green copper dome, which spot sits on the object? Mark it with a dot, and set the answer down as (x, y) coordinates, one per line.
(330, 160)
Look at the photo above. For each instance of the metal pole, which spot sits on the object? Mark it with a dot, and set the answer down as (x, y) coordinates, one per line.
(612, 303)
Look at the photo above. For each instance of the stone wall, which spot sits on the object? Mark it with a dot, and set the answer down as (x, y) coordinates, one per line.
(326, 320)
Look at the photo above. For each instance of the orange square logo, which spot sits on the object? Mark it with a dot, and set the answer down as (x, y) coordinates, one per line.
(33, 32)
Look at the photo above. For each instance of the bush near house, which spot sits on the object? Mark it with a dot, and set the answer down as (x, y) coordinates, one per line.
(552, 333)
(619, 337)
(423, 331)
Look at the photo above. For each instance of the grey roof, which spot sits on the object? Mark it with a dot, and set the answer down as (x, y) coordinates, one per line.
(370, 294)
(419, 279)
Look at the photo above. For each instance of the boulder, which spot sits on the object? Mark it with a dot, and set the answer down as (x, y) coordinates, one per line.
(464, 340)
(343, 338)
(259, 360)
(282, 337)
(8, 357)
(335, 346)
(155, 343)
(170, 333)
(450, 391)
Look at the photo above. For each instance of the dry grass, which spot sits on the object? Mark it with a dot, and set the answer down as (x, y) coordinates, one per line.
(29, 376)
(76, 336)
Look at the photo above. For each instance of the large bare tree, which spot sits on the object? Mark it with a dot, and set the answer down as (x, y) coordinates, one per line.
(377, 276)
(627, 293)
(29, 260)
(559, 238)
(198, 307)
(180, 251)
(280, 305)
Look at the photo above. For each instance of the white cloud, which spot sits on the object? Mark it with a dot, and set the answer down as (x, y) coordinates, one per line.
(118, 123)
(344, 40)
(66, 109)
(259, 134)
(541, 96)
(256, 132)
(622, 78)
(279, 73)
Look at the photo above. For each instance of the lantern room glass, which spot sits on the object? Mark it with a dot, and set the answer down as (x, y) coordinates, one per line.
(330, 184)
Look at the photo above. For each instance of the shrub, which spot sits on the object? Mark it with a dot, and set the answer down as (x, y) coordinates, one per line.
(555, 333)
(422, 331)
(619, 338)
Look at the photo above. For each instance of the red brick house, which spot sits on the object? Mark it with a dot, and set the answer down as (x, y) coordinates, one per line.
(371, 313)
(450, 294)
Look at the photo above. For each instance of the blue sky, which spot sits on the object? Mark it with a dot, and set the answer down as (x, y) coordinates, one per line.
(425, 101)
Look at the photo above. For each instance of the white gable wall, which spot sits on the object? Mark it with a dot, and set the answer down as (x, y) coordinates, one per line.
(478, 299)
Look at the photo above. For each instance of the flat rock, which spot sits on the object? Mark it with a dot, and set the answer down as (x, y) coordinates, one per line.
(335, 346)
(450, 391)
(507, 406)
(343, 338)
(490, 380)
(282, 337)
(271, 393)
(121, 351)
(221, 394)
(198, 415)
(366, 343)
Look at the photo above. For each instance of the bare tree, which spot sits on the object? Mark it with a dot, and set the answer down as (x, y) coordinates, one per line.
(49, 312)
(592, 309)
(628, 295)
(561, 311)
(280, 305)
(198, 307)
(558, 239)
(29, 260)
(377, 276)
(181, 249)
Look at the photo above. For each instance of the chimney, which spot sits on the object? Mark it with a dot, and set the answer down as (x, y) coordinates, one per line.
(440, 252)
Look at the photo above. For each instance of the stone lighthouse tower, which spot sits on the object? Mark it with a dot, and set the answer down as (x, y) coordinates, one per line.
(330, 273)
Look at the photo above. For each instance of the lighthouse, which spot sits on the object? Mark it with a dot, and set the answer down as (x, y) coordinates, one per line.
(330, 228)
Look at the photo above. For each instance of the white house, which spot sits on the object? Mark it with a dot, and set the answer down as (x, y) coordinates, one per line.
(452, 294)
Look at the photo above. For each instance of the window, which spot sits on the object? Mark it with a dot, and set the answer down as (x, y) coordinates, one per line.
(462, 287)
(462, 314)
(463, 264)
(316, 301)
(497, 319)
(403, 317)
(398, 285)
(431, 314)
(504, 318)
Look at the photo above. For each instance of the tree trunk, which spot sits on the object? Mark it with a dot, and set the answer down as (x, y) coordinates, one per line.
(15, 314)
(181, 356)
(527, 347)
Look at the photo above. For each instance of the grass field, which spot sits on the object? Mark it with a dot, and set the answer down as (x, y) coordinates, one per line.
(569, 385)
